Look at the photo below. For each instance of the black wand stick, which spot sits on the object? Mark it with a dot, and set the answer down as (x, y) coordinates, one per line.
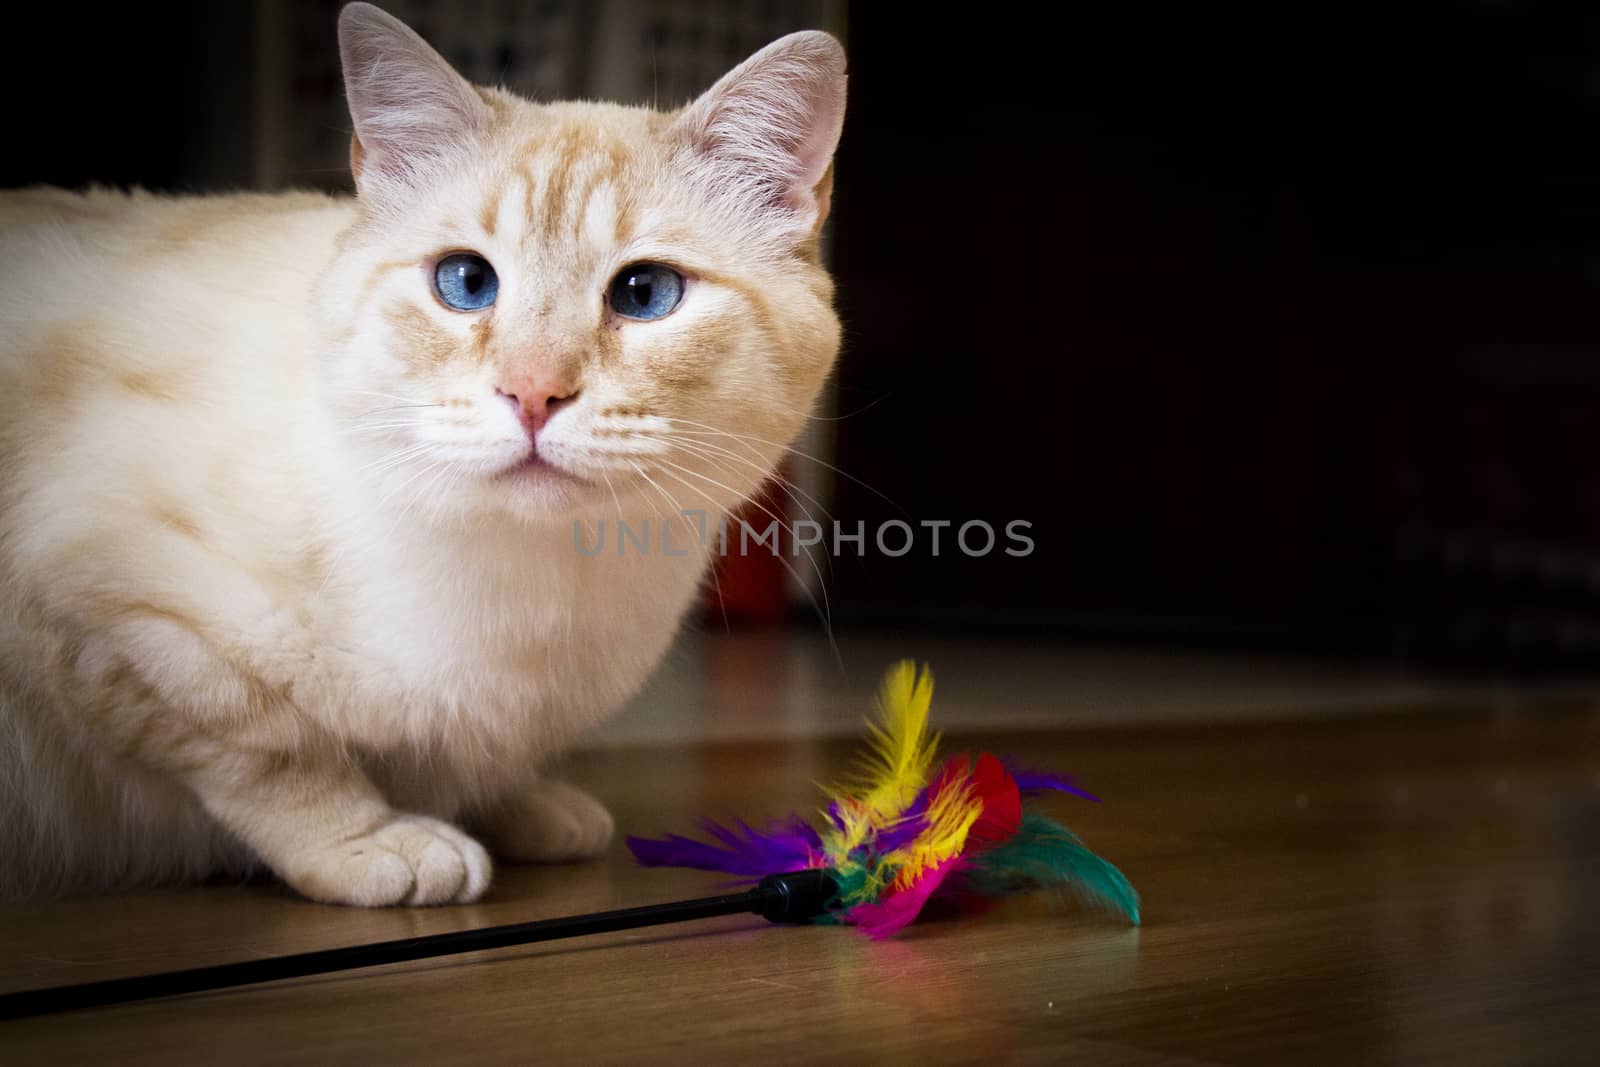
(797, 897)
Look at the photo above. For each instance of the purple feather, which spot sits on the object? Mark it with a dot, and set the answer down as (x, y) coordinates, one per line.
(902, 831)
(785, 845)
(907, 827)
(899, 834)
(1032, 783)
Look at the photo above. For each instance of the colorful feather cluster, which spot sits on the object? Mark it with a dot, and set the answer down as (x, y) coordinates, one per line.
(906, 830)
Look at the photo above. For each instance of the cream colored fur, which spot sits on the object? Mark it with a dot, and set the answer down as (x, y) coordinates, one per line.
(274, 587)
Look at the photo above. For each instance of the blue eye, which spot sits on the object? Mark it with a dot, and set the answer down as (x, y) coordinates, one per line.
(466, 282)
(645, 291)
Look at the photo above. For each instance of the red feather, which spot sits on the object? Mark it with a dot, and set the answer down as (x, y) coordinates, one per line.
(1002, 804)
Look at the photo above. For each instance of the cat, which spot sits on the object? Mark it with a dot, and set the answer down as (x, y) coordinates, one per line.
(288, 483)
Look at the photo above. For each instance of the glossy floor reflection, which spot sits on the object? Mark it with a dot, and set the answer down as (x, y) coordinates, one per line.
(1410, 884)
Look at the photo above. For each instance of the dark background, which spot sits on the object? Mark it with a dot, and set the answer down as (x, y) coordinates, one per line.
(1280, 327)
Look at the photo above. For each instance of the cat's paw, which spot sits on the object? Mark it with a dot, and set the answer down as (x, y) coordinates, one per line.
(411, 859)
(551, 821)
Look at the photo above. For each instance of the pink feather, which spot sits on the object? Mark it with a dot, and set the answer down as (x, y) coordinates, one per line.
(898, 908)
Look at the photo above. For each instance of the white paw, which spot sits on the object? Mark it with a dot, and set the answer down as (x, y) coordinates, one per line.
(411, 859)
(552, 821)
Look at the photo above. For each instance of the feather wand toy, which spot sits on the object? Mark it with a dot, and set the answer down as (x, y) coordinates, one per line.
(902, 834)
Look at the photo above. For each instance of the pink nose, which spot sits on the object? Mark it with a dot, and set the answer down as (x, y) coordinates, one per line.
(535, 400)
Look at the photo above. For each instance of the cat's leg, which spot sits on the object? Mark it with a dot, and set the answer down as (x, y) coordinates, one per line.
(322, 826)
(272, 777)
(547, 822)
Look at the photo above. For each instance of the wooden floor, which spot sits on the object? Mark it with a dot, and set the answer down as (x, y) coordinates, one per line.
(1400, 884)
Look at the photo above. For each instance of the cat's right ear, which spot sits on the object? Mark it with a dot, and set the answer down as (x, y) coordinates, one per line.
(409, 106)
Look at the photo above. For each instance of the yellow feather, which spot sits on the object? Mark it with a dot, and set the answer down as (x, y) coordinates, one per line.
(899, 749)
(950, 817)
(855, 827)
(897, 761)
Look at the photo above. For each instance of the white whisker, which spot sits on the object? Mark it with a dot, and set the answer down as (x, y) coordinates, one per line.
(792, 450)
(825, 614)
(672, 505)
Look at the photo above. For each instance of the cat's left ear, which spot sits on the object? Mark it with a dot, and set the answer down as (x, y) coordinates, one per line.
(409, 106)
(767, 131)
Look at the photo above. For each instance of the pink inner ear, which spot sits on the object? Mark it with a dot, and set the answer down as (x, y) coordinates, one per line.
(814, 155)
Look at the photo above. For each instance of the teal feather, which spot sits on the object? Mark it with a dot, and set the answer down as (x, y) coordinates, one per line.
(852, 882)
(1047, 855)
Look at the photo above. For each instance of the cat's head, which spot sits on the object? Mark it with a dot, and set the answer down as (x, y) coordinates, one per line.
(553, 309)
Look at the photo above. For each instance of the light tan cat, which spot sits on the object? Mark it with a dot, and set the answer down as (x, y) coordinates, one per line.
(287, 561)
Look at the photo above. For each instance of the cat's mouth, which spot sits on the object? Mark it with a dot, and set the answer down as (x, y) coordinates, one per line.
(534, 469)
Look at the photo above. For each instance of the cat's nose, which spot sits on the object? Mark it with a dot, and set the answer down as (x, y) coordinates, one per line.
(536, 399)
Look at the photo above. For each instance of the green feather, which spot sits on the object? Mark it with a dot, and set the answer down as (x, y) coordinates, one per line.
(1045, 854)
(852, 879)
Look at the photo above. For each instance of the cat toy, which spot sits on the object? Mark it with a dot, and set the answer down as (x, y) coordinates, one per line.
(902, 835)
